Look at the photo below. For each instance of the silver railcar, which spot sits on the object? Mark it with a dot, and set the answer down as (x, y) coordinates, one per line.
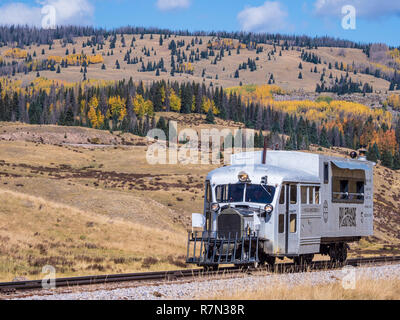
(277, 204)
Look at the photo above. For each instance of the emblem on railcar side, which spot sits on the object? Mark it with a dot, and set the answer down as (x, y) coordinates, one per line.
(347, 217)
(325, 214)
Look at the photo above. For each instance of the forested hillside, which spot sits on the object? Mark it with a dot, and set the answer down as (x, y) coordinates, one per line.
(118, 79)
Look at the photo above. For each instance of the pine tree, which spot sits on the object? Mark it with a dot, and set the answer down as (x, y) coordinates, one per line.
(387, 159)
(371, 155)
(300, 76)
(210, 116)
(323, 138)
(396, 161)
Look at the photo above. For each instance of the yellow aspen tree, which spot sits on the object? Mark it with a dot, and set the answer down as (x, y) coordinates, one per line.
(118, 107)
(138, 105)
(175, 101)
(149, 108)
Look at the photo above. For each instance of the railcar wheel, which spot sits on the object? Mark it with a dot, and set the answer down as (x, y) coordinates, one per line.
(246, 266)
(304, 259)
(210, 267)
(338, 253)
(266, 259)
(270, 261)
(342, 254)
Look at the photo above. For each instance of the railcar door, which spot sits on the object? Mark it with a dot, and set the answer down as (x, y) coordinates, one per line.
(288, 215)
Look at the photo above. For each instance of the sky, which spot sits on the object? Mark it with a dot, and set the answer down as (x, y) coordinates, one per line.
(365, 21)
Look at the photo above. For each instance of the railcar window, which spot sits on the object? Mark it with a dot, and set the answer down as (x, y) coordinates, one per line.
(304, 195)
(310, 195)
(230, 193)
(360, 190)
(259, 193)
(281, 228)
(254, 193)
(235, 192)
(317, 197)
(326, 172)
(220, 193)
(293, 194)
(293, 223)
(208, 192)
(344, 189)
(282, 195)
(351, 190)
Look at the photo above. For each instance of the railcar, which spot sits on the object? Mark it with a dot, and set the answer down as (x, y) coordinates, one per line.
(277, 204)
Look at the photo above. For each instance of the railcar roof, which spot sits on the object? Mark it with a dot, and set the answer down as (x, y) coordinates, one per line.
(229, 174)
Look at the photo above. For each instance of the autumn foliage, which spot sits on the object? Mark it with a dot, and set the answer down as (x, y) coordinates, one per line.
(16, 53)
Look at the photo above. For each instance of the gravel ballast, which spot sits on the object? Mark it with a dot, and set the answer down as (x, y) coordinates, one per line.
(210, 287)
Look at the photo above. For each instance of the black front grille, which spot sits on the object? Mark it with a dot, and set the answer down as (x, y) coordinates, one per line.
(229, 223)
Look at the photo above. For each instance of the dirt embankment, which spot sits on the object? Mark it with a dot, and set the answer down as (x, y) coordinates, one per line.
(58, 135)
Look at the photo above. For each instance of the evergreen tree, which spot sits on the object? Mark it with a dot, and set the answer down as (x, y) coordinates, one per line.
(396, 161)
(387, 159)
(323, 138)
(210, 116)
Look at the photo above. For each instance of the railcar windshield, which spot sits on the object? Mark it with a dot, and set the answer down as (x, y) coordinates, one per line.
(259, 193)
(256, 193)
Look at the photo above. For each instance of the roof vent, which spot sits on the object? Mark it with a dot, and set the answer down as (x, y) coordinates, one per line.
(362, 155)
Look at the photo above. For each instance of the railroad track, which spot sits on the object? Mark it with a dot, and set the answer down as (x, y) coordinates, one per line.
(10, 287)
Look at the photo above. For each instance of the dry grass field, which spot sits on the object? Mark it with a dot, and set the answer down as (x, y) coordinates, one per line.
(81, 208)
(101, 208)
(365, 290)
(284, 68)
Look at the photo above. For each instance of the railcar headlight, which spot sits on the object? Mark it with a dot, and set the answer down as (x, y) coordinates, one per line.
(243, 177)
(215, 207)
(269, 208)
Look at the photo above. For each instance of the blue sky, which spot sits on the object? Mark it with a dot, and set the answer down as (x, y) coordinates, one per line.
(376, 20)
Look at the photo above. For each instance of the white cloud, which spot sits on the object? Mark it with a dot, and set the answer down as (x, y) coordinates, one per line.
(371, 9)
(165, 5)
(19, 13)
(269, 17)
(67, 12)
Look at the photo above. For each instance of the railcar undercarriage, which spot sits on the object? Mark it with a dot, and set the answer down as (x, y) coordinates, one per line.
(213, 248)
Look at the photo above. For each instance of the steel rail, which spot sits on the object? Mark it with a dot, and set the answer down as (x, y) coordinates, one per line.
(9, 287)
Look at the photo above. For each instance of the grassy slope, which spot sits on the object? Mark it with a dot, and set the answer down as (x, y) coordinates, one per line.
(115, 187)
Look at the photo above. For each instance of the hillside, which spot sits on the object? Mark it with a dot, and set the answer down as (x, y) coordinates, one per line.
(201, 59)
(96, 209)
